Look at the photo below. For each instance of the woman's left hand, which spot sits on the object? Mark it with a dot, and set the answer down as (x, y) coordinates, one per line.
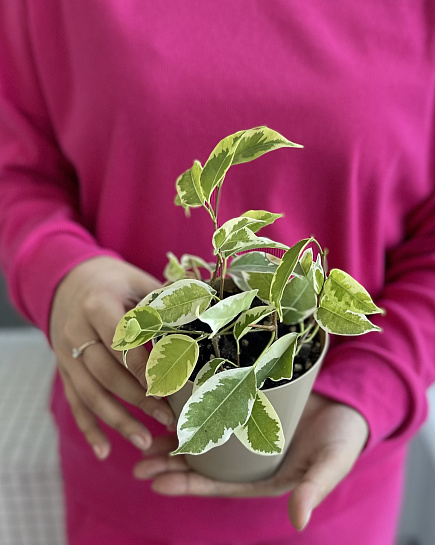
(326, 445)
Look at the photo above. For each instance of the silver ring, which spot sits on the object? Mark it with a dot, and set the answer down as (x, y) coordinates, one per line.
(77, 352)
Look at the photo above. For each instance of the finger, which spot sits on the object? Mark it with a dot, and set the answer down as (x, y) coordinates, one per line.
(116, 379)
(85, 420)
(322, 477)
(104, 405)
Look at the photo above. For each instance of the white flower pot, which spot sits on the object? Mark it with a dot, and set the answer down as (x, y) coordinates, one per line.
(232, 461)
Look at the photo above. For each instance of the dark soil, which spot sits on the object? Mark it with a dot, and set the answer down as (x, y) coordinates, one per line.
(251, 346)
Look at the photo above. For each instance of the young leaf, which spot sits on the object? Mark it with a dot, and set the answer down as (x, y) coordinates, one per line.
(208, 370)
(348, 293)
(306, 260)
(170, 364)
(146, 322)
(250, 316)
(256, 142)
(264, 218)
(318, 275)
(189, 189)
(181, 302)
(189, 261)
(283, 273)
(174, 270)
(276, 362)
(218, 163)
(215, 410)
(226, 310)
(252, 262)
(263, 432)
(333, 318)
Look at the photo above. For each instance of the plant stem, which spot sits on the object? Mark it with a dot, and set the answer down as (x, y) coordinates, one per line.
(215, 343)
(275, 324)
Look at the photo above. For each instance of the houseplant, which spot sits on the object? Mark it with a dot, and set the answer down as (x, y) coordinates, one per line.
(200, 328)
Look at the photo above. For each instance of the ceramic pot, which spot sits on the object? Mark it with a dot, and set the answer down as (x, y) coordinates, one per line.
(232, 461)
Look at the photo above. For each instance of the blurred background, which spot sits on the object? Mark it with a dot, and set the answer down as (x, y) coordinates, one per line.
(31, 511)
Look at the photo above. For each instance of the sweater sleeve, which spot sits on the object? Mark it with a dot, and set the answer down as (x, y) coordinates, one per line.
(385, 376)
(41, 237)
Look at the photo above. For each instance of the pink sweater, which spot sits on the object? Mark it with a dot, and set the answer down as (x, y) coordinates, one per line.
(104, 104)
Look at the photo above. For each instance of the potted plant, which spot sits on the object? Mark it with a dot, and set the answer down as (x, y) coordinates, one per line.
(234, 352)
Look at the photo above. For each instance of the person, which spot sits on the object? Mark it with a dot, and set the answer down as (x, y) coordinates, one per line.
(102, 106)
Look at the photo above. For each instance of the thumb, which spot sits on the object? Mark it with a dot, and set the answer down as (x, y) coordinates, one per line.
(320, 479)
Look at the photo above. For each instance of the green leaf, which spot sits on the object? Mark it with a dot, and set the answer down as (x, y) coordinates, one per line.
(276, 362)
(174, 270)
(128, 336)
(209, 370)
(239, 280)
(260, 282)
(263, 432)
(318, 275)
(255, 142)
(283, 273)
(226, 310)
(299, 300)
(251, 316)
(333, 318)
(215, 410)
(252, 262)
(170, 364)
(348, 293)
(182, 301)
(189, 191)
(264, 218)
(218, 163)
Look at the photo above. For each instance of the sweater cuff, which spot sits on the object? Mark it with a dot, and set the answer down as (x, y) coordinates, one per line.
(43, 263)
(366, 379)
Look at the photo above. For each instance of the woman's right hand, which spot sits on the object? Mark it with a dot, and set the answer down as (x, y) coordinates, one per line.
(88, 304)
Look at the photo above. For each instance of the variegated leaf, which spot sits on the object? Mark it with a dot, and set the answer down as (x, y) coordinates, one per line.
(284, 271)
(276, 362)
(249, 317)
(174, 270)
(226, 310)
(182, 301)
(146, 323)
(189, 189)
(264, 218)
(233, 231)
(256, 142)
(170, 364)
(151, 296)
(263, 432)
(333, 318)
(218, 163)
(348, 293)
(249, 241)
(318, 274)
(209, 370)
(215, 410)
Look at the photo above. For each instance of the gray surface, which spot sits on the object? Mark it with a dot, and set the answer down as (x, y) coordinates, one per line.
(31, 501)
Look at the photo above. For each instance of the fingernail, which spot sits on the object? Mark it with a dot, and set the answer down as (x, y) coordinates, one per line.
(163, 417)
(139, 441)
(101, 451)
(305, 524)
